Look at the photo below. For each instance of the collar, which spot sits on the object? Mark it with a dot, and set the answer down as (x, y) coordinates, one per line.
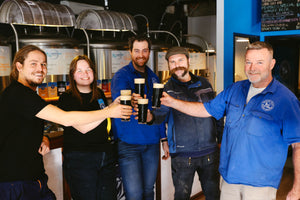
(133, 70)
(272, 87)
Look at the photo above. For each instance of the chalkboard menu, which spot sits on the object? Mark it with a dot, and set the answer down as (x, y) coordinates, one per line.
(278, 15)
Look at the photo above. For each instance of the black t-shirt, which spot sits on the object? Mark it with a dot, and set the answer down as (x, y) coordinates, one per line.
(21, 134)
(95, 140)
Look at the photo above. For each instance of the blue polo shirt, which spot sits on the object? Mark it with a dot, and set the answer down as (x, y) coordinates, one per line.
(256, 135)
(132, 132)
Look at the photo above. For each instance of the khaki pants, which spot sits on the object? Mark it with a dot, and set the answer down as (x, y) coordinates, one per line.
(245, 192)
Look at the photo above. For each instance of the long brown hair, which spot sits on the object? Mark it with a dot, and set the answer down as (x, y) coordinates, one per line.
(20, 56)
(73, 85)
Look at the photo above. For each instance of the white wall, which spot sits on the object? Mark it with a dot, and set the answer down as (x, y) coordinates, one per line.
(53, 167)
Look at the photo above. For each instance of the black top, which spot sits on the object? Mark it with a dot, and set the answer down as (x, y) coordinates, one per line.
(21, 133)
(95, 140)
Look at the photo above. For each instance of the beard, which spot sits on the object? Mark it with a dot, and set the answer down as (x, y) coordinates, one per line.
(140, 64)
(34, 83)
(185, 71)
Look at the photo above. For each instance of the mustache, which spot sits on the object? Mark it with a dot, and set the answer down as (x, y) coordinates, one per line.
(178, 68)
(141, 57)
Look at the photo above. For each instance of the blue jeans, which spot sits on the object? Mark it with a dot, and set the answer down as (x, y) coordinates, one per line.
(26, 190)
(183, 172)
(138, 167)
(90, 175)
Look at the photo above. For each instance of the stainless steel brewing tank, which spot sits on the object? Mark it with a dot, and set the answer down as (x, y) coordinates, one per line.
(157, 61)
(60, 52)
(5, 63)
(109, 57)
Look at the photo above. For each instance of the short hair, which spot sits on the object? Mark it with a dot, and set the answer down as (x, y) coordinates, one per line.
(260, 45)
(73, 85)
(20, 57)
(139, 38)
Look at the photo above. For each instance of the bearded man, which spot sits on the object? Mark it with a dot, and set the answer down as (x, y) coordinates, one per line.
(193, 141)
(138, 144)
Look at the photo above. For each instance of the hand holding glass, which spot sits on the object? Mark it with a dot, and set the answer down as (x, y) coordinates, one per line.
(157, 93)
(139, 86)
(125, 100)
(143, 108)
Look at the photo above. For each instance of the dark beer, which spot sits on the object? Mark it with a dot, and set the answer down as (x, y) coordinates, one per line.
(139, 85)
(125, 100)
(157, 93)
(143, 107)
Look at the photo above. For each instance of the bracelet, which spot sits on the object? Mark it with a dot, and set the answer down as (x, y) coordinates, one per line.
(164, 140)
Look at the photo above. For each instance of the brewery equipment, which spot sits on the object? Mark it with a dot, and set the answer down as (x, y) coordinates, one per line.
(47, 26)
(5, 62)
(106, 34)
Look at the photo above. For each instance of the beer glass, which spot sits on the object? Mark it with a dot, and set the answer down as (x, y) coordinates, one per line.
(143, 107)
(139, 85)
(125, 92)
(157, 93)
(125, 100)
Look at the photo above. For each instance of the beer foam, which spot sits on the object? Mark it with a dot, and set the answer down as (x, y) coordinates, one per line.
(139, 80)
(125, 92)
(125, 98)
(142, 101)
(158, 85)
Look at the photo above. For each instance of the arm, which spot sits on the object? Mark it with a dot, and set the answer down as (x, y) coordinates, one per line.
(90, 126)
(87, 127)
(165, 147)
(294, 194)
(220, 128)
(190, 108)
(75, 118)
(45, 146)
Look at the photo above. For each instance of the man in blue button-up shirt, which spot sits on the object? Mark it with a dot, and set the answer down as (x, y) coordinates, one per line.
(262, 120)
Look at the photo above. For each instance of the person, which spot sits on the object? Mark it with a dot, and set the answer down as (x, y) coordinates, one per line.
(22, 173)
(138, 144)
(89, 154)
(192, 140)
(262, 120)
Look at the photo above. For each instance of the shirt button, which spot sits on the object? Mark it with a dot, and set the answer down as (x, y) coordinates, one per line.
(243, 115)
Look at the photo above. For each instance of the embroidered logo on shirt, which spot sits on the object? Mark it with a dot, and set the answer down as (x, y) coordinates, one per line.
(267, 105)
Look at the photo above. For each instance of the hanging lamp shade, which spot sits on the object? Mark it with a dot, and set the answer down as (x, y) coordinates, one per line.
(36, 13)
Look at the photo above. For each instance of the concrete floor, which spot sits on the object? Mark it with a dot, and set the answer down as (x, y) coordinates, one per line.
(286, 181)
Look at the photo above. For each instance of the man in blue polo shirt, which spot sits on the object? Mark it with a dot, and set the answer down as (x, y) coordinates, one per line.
(138, 144)
(262, 120)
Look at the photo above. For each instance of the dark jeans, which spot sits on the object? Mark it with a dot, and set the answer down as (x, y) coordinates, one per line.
(183, 172)
(138, 167)
(26, 190)
(91, 175)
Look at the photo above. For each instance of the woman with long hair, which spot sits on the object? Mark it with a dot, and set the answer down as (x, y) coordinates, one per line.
(89, 155)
